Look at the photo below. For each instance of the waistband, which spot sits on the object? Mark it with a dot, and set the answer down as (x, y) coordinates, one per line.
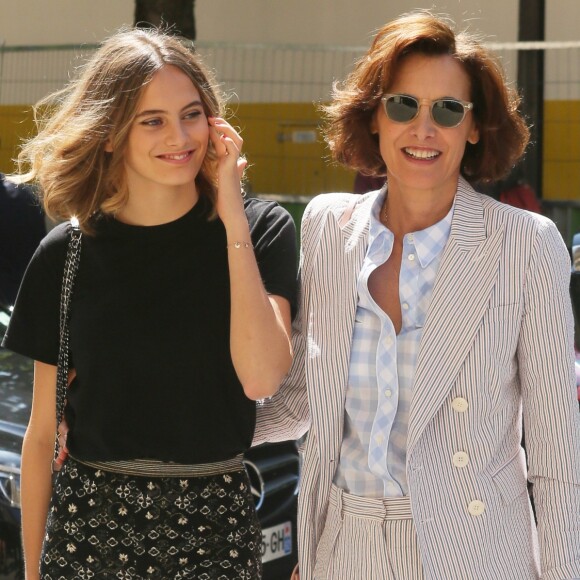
(153, 468)
(383, 508)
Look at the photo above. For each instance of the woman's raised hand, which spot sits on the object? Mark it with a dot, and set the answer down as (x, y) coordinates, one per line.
(231, 164)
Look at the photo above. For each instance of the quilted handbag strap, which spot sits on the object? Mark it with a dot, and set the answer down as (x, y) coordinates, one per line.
(73, 256)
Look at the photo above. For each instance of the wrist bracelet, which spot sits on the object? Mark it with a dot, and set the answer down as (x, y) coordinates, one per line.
(238, 245)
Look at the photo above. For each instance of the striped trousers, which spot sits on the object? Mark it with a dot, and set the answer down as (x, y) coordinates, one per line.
(368, 539)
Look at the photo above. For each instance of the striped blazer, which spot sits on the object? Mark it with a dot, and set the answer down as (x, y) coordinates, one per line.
(497, 347)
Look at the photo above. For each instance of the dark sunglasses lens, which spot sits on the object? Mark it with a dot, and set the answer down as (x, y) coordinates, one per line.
(448, 112)
(401, 108)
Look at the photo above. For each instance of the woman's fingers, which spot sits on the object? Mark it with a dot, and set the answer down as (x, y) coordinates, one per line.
(242, 164)
(224, 128)
(225, 138)
(62, 434)
(62, 448)
(223, 145)
(218, 144)
(71, 376)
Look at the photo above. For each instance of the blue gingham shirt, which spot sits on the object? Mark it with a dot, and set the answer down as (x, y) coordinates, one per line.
(382, 364)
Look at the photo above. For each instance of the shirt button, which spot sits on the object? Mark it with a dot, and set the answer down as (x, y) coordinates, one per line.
(459, 405)
(405, 306)
(460, 459)
(476, 507)
(388, 393)
(411, 257)
(380, 439)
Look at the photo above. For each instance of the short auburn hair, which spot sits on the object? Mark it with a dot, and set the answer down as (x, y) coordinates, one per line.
(503, 133)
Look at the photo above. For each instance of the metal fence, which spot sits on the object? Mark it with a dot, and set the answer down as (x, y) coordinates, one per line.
(274, 90)
(253, 73)
(264, 72)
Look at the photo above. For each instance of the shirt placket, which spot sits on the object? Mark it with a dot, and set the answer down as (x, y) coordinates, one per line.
(408, 284)
(387, 391)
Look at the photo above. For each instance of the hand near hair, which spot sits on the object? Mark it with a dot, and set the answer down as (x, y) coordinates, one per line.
(228, 145)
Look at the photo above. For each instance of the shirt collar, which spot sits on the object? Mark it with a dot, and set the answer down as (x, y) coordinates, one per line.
(428, 242)
(376, 227)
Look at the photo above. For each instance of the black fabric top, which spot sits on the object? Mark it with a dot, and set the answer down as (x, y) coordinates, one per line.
(149, 330)
(21, 229)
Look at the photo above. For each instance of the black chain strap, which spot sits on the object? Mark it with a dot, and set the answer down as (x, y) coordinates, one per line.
(73, 256)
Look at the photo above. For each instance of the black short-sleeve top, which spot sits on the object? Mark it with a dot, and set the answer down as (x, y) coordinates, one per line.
(149, 333)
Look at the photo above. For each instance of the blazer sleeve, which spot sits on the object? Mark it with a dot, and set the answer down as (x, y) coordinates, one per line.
(286, 414)
(550, 409)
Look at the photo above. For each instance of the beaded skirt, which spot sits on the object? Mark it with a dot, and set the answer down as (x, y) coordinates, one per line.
(103, 524)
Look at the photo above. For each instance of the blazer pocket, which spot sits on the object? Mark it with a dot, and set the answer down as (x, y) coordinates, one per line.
(327, 543)
(510, 479)
(499, 314)
(500, 331)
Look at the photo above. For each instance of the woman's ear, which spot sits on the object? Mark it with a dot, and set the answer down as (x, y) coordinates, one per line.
(374, 125)
(473, 136)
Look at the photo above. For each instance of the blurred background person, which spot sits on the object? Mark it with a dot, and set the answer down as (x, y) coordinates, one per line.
(22, 226)
(364, 183)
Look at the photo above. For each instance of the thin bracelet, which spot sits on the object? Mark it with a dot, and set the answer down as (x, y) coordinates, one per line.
(238, 245)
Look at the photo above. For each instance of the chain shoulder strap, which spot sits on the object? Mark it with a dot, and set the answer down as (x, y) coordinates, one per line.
(71, 266)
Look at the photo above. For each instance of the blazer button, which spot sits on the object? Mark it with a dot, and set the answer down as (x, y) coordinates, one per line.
(476, 507)
(459, 405)
(460, 459)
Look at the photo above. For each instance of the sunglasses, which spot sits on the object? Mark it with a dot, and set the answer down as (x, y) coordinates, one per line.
(445, 112)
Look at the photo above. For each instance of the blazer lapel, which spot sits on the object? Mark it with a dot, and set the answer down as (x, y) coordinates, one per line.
(332, 319)
(460, 296)
(354, 222)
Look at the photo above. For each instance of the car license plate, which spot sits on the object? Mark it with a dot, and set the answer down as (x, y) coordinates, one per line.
(277, 542)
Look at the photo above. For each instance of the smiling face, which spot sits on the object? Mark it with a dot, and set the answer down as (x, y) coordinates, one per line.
(168, 139)
(420, 155)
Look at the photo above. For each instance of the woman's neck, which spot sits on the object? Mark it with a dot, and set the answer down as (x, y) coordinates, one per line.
(157, 208)
(413, 211)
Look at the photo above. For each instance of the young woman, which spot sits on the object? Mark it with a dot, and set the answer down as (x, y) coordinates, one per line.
(179, 321)
(434, 320)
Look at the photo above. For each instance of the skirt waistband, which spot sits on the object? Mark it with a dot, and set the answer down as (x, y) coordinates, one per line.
(153, 468)
(381, 508)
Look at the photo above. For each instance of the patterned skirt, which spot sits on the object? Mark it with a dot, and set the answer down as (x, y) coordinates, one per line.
(103, 524)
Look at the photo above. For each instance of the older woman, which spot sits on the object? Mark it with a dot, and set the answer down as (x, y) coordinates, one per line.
(434, 322)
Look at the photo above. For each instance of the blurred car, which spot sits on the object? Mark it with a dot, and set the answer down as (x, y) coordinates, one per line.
(273, 469)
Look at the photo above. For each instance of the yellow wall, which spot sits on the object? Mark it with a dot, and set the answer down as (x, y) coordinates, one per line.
(15, 124)
(561, 150)
(287, 155)
(285, 150)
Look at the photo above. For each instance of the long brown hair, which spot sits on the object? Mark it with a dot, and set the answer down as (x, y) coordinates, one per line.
(503, 133)
(67, 157)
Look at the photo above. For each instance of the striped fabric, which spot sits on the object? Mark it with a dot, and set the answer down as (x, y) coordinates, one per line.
(382, 363)
(366, 539)
(497, 346)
